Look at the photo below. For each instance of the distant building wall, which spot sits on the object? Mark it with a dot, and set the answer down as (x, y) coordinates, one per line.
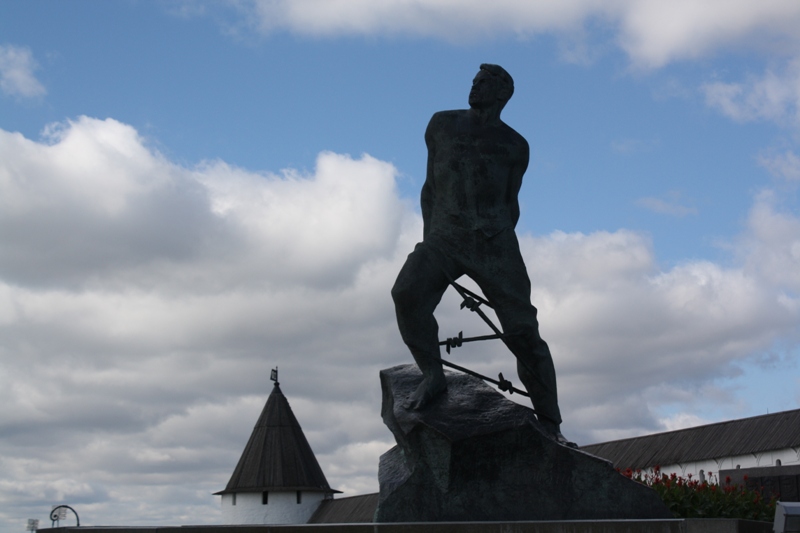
(787, 457)
(281, 507)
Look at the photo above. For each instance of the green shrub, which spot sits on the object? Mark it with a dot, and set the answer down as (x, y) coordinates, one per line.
(691, 498)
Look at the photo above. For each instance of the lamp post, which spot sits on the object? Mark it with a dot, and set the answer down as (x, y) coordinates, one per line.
(59, 512)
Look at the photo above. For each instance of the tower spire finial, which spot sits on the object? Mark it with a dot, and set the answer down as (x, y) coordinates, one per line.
(273, 375)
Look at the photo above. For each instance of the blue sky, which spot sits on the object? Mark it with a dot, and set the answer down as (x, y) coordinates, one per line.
(194, 192)
(603, 136)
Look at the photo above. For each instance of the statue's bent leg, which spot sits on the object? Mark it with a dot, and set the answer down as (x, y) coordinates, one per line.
(538, 374)
(416, 293)
(534, 361)
(504, 280)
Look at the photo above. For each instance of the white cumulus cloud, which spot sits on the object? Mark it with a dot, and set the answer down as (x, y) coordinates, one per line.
(773, 96)
(771, 245)
(607, 310)
(652, 33)
(17, 67)
(784, 165)
(142, 304)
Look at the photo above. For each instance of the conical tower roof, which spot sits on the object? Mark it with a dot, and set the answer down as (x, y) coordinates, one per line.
(277, 456)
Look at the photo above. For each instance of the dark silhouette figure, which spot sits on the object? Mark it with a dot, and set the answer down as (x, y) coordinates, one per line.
(470, 209)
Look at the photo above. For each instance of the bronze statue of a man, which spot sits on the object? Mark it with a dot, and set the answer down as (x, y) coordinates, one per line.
(469, 210)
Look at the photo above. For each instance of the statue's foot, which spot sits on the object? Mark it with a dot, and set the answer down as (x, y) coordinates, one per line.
(561, 439)
(553, 431)
(427, 391)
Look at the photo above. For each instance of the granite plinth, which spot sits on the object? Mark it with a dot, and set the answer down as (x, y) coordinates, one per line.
(474, 455)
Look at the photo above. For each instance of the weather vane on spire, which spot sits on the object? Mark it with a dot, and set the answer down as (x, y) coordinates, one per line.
(273, 375)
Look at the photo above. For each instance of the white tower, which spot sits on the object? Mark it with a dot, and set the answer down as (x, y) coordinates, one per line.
(278, 479)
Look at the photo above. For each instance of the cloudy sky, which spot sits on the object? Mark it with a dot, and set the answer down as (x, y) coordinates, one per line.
(192, 193)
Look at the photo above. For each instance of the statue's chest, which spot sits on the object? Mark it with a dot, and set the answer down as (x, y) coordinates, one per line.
(486, 146)
(475, 160)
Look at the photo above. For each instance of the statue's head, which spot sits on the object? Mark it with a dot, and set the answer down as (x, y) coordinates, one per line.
(492, 84)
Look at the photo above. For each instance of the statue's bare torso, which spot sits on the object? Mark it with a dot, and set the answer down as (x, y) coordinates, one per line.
(474, 174)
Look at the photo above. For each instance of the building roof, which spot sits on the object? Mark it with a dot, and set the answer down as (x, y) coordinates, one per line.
(351, 510)
(277, 456)
(714, 441)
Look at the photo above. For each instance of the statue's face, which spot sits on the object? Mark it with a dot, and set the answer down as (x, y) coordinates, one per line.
(485, 90)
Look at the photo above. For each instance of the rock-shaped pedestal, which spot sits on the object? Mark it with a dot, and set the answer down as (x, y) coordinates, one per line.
(473, 455)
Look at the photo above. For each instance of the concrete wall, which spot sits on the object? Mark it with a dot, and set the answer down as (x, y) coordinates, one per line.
(588, 526)
(282, 508)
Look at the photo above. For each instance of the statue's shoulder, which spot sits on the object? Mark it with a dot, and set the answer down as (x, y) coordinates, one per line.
(515, 137)
(442, 123)
(512, 133)
(446, 118)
